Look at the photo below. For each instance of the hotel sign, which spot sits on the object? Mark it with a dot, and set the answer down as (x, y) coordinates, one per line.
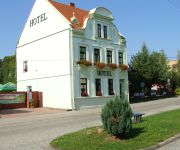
(104, 73)
(38, 19)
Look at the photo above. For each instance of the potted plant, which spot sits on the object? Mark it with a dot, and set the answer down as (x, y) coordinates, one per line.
(100, 65)
(99, 93)
(123, 67)
(84, 94)
(84, 62)
(111, 65)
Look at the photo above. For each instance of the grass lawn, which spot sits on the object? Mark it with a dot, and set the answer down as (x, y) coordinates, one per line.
(152, 130)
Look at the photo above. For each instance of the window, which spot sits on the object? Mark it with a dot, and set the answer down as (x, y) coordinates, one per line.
(25, 66)
(99, 30)
(82, 53)
(109, 57)
(105, 31)
(110, 87)
(83, 82)
(96, 55)
(98, 87)
(120, 58)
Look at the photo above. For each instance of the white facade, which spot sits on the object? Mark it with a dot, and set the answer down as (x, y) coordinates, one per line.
(50, 48)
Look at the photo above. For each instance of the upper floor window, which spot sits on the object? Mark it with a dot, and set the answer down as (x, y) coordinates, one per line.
(120, 55)
(109, 57)
(105, 31)
(25, 66)
(99, 30)
(96, 55)
(82, 53)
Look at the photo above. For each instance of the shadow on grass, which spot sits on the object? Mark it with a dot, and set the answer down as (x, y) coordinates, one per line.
(134, 133)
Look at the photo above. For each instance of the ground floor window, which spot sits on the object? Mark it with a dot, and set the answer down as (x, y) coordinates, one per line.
(98, 87)
(110, 87)
(121, 84)
(83, 83)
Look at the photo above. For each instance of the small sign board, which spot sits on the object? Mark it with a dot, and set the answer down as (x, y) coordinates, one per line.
(12, 98)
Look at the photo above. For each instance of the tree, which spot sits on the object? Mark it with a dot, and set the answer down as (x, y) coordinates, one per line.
(1, 79)
(8, 69)
(151, 67)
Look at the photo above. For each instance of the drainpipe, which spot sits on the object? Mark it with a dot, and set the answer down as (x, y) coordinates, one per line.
(71, 66)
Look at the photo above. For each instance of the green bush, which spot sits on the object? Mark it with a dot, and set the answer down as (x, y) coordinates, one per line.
(177, 91)
(116, 117)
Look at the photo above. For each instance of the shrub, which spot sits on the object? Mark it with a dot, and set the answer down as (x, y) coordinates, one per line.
(116, 117)
(177, 91)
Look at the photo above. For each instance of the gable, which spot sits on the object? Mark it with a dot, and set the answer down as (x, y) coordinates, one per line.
(44, 20)
(102, 12)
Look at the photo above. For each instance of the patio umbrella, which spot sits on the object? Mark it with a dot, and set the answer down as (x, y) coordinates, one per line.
(8, 87)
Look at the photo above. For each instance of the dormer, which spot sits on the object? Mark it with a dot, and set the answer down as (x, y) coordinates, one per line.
(74, 20)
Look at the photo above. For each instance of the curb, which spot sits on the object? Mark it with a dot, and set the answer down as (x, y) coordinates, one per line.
(169, 140)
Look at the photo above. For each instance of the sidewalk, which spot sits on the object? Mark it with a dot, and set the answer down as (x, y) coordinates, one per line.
(21, 112)
(175, 145)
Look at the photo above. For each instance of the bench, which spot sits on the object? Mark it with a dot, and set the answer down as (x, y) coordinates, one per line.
(137, 117)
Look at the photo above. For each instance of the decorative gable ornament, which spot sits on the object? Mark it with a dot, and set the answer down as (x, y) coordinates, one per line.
(74, 20)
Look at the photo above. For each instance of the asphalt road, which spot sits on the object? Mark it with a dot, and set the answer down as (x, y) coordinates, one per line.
(35, 132)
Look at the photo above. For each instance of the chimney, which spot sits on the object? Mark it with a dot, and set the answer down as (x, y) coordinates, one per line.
(72, 4)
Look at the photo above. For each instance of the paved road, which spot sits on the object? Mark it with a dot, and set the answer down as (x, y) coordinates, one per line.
(35, 132)
(171, 146)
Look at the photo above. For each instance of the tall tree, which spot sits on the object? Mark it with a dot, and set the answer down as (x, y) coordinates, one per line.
(8, 69)
(1, 79)
(150, 67)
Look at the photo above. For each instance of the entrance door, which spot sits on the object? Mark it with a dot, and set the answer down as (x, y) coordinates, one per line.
(121, 87)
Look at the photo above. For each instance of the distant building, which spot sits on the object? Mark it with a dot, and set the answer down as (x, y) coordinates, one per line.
(77, 58)
(173, 65)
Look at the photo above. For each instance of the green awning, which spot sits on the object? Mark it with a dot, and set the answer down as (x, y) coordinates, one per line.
(8, 87)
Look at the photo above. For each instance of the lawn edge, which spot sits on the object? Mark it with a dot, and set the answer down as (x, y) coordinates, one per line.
(161, 144)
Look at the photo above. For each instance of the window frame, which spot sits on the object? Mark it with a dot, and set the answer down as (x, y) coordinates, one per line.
(98, 88)
(97, 55)
(99, 28)
(109, 56)
(105, 31)
(82, 53)
(110, 87)
(120, 58)
(25, 66)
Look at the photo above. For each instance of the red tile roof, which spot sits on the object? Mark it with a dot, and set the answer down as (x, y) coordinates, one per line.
(68, 10)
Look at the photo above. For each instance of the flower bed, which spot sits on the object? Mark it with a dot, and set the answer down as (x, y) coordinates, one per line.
(84, 94)
(123, 67)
